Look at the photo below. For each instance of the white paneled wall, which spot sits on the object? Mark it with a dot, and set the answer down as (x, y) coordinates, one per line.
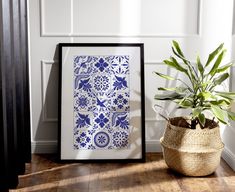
(115, 18)
(229, 132)
(196, 24)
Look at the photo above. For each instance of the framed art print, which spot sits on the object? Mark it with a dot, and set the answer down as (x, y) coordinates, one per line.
(101, 102)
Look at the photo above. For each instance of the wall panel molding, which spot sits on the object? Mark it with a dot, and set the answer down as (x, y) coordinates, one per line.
(45, 33)
(154, 62)
(233, 28)
(43, 29)
(109, 35)
(45, 117)
(159, 62)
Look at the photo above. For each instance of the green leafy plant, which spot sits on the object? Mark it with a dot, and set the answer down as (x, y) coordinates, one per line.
(200, 94)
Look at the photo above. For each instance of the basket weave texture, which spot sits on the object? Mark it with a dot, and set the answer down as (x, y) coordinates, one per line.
(192, 152)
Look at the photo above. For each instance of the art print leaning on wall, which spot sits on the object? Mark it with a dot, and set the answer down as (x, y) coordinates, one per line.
(101, 105)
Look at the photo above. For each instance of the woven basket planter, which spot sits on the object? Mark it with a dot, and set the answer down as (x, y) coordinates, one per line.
(192, 152)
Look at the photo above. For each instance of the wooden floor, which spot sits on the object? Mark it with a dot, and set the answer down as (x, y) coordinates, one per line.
(44, 174)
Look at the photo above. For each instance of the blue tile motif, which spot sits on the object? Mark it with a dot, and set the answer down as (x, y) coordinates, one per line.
(82, 120)
(82, 140)
(101, 102)
(120, 139)
(101, 139)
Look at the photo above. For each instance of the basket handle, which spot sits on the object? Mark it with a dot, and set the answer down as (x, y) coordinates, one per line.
(159, 110)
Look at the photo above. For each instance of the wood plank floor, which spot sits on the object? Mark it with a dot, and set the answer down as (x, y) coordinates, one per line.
(44, 174)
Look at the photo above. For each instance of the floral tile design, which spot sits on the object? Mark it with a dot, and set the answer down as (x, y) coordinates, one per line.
(120, 139)
(102, 139)
(82, 120)
(102, 120)
(101, 102)
(120, 101)
(82, 140)
(120, 120)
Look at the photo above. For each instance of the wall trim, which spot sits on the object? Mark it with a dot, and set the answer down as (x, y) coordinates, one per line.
(229, 157)
(159, 62)
(119, 35)
(84, 35)
(45, 117)
(153, 146)
(51, 146)
(44, 146)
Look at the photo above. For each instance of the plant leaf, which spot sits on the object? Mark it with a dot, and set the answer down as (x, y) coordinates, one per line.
(224, 68)
(227, 95)
(220, 79)
(179, 56)
(181, 89)
(170, 96)
(217, 63)
(175, 64)
(232, 94)
(221, 102)
(164, 76)
(206, 95)
(196, 111)
(205, 84)
(185, 103)
(231, 115)
(177, 47)
(213, 54)
(199, 66)
(202, 119)
(176, 89)
(192, 72)
(220, 114)
(166, 89)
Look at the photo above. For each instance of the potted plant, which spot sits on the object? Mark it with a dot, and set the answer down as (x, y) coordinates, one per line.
(192, 145)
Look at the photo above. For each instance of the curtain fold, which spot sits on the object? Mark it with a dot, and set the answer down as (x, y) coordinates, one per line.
(15, 144)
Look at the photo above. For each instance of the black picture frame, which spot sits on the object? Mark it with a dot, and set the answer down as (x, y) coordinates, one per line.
(98, 141)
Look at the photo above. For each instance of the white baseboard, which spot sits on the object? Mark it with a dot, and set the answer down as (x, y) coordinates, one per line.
(44, 146)
(229, 157)
(51, 146)
(153, 146)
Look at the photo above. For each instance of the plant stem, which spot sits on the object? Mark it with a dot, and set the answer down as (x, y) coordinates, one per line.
(193, 123)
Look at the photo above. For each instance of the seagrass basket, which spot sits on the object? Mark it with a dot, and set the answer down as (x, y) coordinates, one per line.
(192, 152)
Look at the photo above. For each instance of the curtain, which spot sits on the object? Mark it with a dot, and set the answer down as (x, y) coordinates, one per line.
(15, 144)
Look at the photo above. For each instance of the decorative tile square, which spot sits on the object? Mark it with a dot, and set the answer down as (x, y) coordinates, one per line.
(102, 103)
(101, 65)
(82, 140)
(119, 64)
(101, 82)
(102, 140)
(84, 65)
(120, 139)
(83, 83)
(102, 120)
(120, 101)
(120, 120)
(82, 120)
(120, 83)
(83, 101)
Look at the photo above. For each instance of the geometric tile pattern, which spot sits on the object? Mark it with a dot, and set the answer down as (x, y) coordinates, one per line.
(101, 102)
